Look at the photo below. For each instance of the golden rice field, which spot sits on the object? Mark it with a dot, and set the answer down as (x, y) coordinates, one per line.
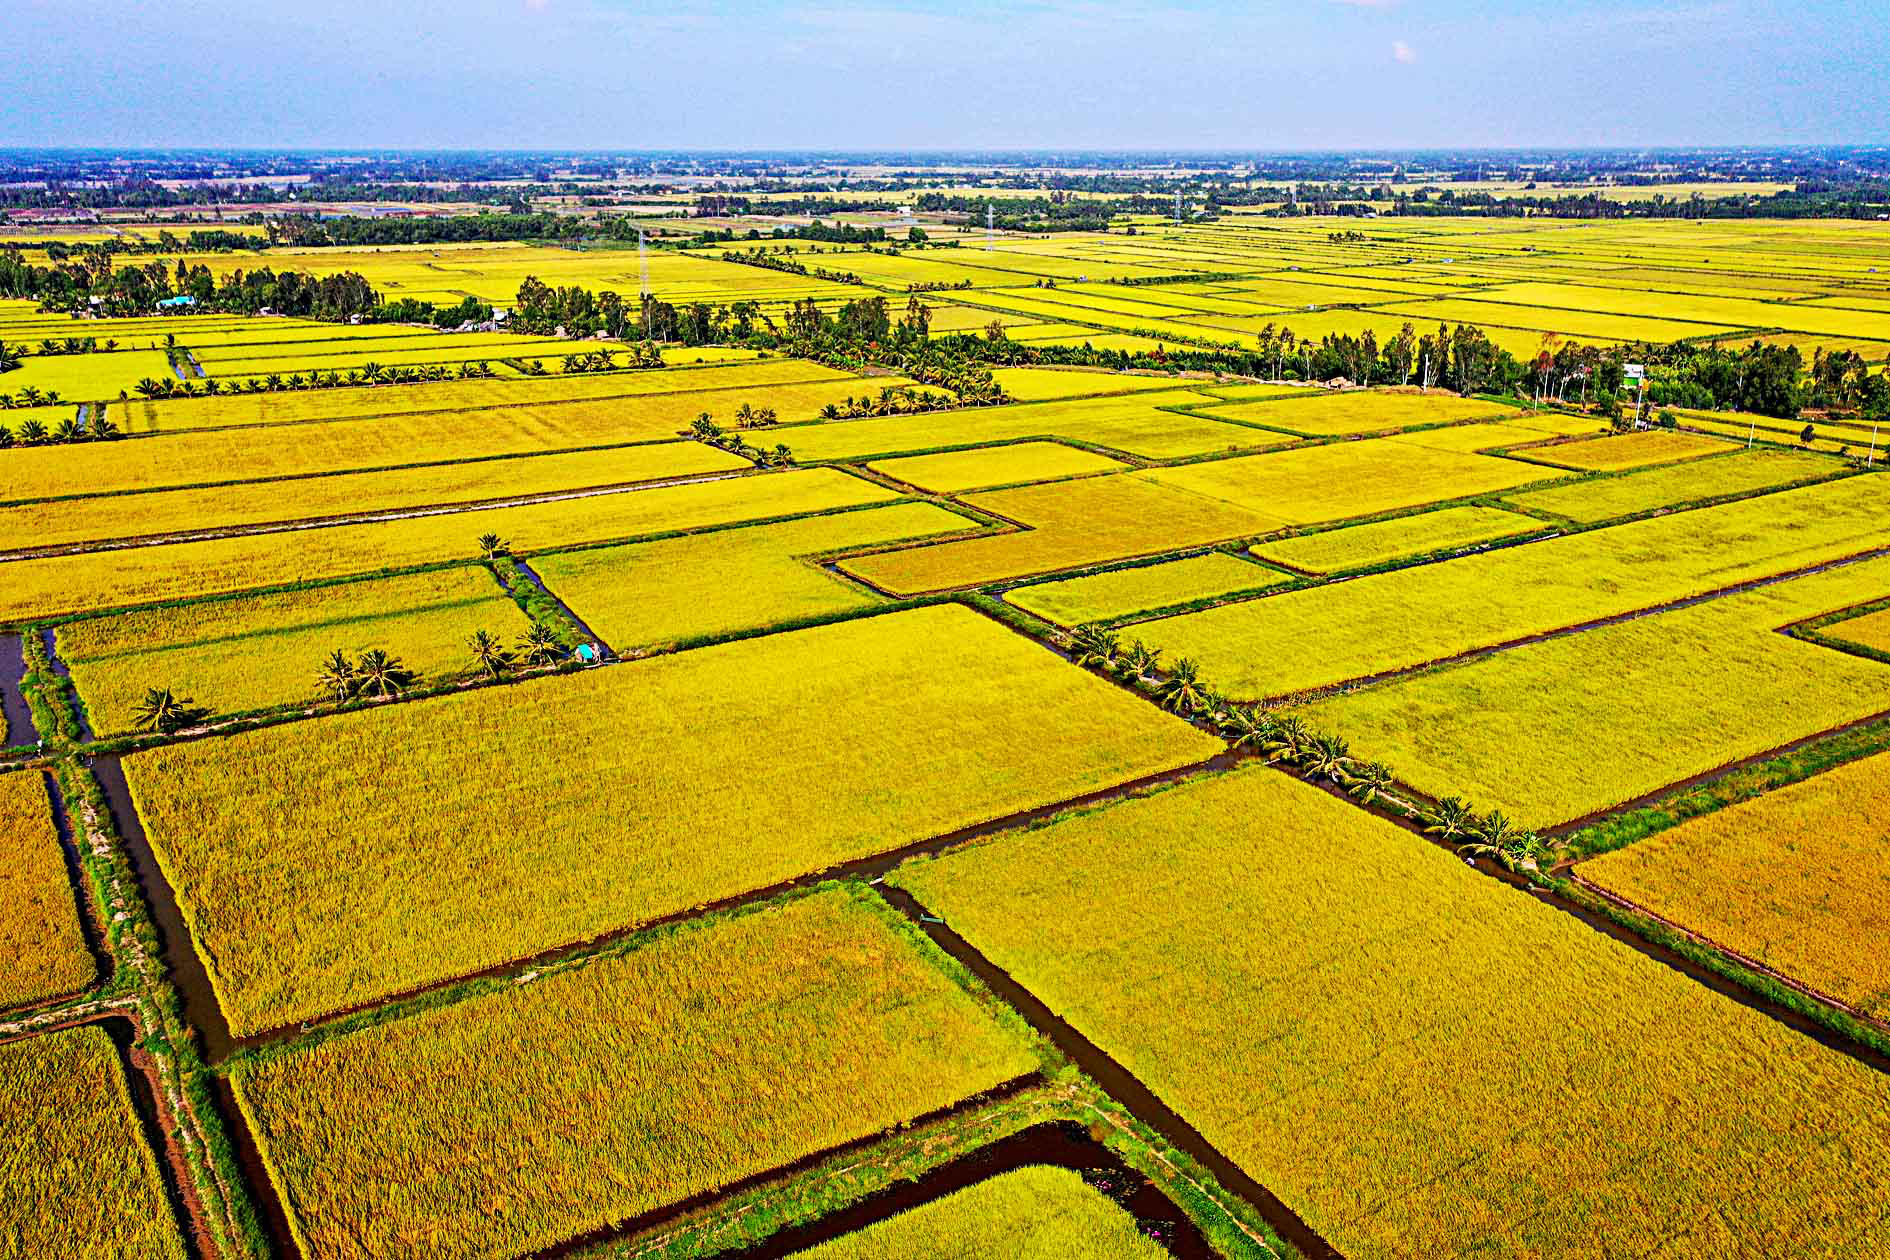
(1034, 1213)
(104, 517)
(1066, 523)
(506, 841)
(1142, 424)
(986, 467)
(603, 960)
(1630, 450)
(1140, 588)
(169, 415)
(1404, 618)
(1671, 485)
(1694, 689)
(40, 933)
(109, 579)
(1343, 480)
(256, 652)
(657, 594)
(76, 1177)
(823, 1021)
(1794, 879)
(1402, 537)
(1395, 993)
(1344, 414)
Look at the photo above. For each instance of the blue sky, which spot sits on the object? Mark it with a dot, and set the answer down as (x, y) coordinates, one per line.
(1342, 74)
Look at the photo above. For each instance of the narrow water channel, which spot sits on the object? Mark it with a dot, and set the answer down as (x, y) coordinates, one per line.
(186, 968)
(49, 637)
(16, 719)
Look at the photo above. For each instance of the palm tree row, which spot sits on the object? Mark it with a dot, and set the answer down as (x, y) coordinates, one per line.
(374, 674)
(894, 400)
(35, 433)
(275, 382)
(30, 396)
(1287, 739)
(704, 429)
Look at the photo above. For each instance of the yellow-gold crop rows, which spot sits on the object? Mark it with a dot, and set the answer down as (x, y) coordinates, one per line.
(1124, 592)
(258, 651)
(658, 594)
(158, 512)
(1038, 1212)
(40, 935)
(1605, 498)
(1387, 969)
(983, 467)
(76, 1177)
(1314, 638)
(1630, 450)
(1362, 546)
(1691, 689)
(1092, 520)
(300, 906)
(1795, 879)
(821, 1022)
(1360, 411)
(50, 585)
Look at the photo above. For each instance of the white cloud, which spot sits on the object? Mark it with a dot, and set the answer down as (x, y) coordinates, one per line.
(1403, 53)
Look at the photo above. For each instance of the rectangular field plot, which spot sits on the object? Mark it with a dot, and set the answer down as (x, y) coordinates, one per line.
(255, 652)
(168, 415)
(1124, 592)
(1795, 879)
(708, 1055)
(40, 936)
(1137, 425)
(159, 512)
(1743, 472)
(1694, 689)
(1346, 479)
(76, 1176)
(1018, 463)
(1045, 384)
(1361, 546)
(1872, 630)
(1410, 617)
(1523, 431)
(50, 585)
(1630, 450)
(1070, 523)
(1359, 411)
(1386, 968)
(1037, 1212)
(659, 594)
(87, 377)
(272, 836)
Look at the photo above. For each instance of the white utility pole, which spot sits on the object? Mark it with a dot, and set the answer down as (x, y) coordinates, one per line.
(990, 222)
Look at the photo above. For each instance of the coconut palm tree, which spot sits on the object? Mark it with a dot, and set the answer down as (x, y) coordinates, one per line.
(1370, 781)
(1289, 741)
(1450, 819)
(1095, 648)
(163, 712)
(337, 676)
(1182, 690)
(382, 675)
(33, 433)
(68, 430)
(491, 546)
(489, 655)
(1141, 660)
(1327, 757)
(1247, 725)
(1501, 840)
(540, 646)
